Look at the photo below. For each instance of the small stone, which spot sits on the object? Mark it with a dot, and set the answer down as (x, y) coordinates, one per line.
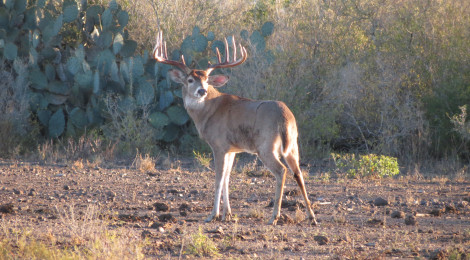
(32, 193)
(285, 219)
(411, 220)
(155, 225)
(167, 218)
(375, 222)
(380, 202)
(321, 240)
(218, 230)
(398, 214)
(7, 208)
(462, 204)
(450, 209)
(437, 212)
(145, 234)
(439, 254)
(17, 192)
(66, 187)
(161, 206)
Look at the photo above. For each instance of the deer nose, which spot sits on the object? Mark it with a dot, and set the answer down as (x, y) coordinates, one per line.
(201, 92)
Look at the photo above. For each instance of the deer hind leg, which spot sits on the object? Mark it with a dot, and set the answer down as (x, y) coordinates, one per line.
(292, 159)
(272, 162)
(228, 163)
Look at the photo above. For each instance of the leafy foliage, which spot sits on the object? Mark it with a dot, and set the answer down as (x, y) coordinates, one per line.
(366, 166)
(359, 75)
(201, 245)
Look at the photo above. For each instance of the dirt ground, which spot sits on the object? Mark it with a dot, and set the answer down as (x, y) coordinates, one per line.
(359, 219)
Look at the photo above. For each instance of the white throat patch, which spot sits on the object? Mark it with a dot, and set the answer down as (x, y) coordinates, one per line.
(192, 103)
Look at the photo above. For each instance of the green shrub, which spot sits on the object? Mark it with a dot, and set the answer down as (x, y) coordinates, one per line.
(368, 166)
(201, 245)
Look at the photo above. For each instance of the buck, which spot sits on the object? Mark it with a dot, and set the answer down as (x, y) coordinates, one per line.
(231, 124)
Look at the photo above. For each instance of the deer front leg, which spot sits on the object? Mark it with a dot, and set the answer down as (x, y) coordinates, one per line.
(228, 164)
(219, 179)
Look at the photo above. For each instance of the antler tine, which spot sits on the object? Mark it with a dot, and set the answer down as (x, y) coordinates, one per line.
(227, 55)
(218, 55)
(227, 63)
(234, 48)
(160, 55)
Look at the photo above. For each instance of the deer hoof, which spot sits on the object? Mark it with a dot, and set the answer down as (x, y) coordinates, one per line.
(227, 217)
(211, 218)
(272, 221)
(313, 222)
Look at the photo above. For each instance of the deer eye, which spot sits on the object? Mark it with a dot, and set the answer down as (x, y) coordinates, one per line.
(190, 80)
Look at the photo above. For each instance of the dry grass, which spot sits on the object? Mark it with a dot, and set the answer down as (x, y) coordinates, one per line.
(77, 235)
(144, 163)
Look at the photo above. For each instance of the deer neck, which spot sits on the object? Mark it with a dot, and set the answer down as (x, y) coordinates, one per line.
(201, 110)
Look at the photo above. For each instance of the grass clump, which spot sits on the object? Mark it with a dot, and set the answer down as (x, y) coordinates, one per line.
(144, 163)
(203, 159)
(201, 245)
(82, 236)
(368, 166)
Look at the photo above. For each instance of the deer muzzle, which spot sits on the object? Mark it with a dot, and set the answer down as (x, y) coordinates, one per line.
(201, 92)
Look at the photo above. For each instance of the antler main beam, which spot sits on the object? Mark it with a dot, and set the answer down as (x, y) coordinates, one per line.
(160, 54)
(227, 63)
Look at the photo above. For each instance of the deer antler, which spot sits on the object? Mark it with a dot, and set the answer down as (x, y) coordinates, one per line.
(227, 63)
(160, 55)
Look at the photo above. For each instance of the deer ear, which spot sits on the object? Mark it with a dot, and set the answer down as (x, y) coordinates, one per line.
(218, 80)
(177, 76)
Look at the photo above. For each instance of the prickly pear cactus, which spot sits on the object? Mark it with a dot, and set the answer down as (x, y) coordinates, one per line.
(80, 53)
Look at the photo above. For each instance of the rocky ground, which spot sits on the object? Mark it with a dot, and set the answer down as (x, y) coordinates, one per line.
(162, 212)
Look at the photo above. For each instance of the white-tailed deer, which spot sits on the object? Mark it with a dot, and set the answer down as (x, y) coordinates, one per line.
(232, 124)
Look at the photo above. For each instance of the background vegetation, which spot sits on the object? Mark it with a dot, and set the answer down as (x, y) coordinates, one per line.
(372, 76)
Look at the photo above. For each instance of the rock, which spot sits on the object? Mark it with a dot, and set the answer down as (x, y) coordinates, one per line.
(17, 192)
(397, 214)
(284, 219)
(321, 240)
(145, 234)
(161, 206)
(155, 225)
(439, 254)
(167, 218)
(292, 193)
(173, 191)
(411, 220)
(32, 193)
(7, 208)
(437, 212)
(375, 222)
(218, 230)
(287, 204)
(185, 207)
(451, 209)
(462, 204)
(111, 195)
(380, 202)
